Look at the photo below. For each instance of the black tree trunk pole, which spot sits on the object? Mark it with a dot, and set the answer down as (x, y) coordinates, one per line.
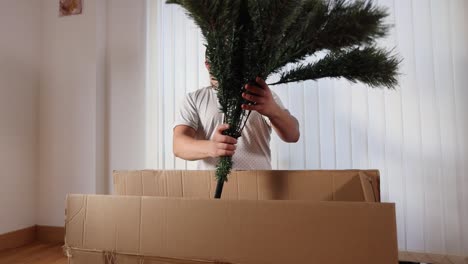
(219, 189)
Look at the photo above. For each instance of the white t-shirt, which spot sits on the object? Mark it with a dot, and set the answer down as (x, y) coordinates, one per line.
(201, 111)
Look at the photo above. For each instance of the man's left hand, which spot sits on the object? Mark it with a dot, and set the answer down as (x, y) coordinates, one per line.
(262, 97)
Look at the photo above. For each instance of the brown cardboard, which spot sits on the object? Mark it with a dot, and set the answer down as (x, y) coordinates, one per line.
(311, 185)
(135, 229)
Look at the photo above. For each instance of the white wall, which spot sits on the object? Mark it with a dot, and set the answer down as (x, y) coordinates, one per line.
(72, 107)
(19, 89)
(89, 116)
(415, 135)
(92, 102)
(126, 51)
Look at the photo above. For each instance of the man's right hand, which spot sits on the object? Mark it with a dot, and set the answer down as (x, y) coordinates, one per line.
(222, 145)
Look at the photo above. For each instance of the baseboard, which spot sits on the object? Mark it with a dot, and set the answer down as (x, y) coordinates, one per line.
(50, 234)
(18, 238)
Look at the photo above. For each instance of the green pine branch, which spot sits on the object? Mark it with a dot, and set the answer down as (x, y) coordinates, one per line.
(372, 66)
(250, 38)
(331, 25)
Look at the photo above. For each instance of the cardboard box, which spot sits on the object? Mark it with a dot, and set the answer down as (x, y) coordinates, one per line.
(135, 229)
(311, 185)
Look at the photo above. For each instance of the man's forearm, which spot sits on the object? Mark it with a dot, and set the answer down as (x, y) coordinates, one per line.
(192, 149)
(187, 147)
(286, 126)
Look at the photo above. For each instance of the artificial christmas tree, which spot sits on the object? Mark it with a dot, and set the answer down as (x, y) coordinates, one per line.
(246, 39)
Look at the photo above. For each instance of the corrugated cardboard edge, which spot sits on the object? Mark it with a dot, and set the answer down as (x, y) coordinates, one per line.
(371, 189)
(420, 257)
(368, 189)
(375, 175)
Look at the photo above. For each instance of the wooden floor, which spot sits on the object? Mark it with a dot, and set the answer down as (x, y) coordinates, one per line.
(35, 253)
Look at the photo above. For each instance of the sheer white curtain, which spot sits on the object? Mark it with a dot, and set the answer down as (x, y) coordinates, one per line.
(415, 135)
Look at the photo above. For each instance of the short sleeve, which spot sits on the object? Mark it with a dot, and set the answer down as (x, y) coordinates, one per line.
(187, 113)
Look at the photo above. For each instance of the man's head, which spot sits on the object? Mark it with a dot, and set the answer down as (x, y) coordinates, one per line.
(213, 80)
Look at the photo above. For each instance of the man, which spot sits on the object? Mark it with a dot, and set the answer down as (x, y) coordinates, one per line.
(199, 126)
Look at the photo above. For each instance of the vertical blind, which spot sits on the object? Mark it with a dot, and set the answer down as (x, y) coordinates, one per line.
(415, 135)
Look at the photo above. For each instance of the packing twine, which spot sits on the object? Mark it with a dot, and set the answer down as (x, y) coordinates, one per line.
(110, 257)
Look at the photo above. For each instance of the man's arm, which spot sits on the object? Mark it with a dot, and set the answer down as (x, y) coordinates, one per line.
(285, 125)
(187, 147)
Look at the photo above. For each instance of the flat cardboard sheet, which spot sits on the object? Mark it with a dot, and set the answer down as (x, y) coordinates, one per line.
(311, 185)
(130, 229)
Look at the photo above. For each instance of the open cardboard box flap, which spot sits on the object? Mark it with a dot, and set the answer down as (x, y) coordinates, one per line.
(135, 229)
(311, 185)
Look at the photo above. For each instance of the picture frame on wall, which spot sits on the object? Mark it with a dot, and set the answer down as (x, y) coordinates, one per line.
(70, 7)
